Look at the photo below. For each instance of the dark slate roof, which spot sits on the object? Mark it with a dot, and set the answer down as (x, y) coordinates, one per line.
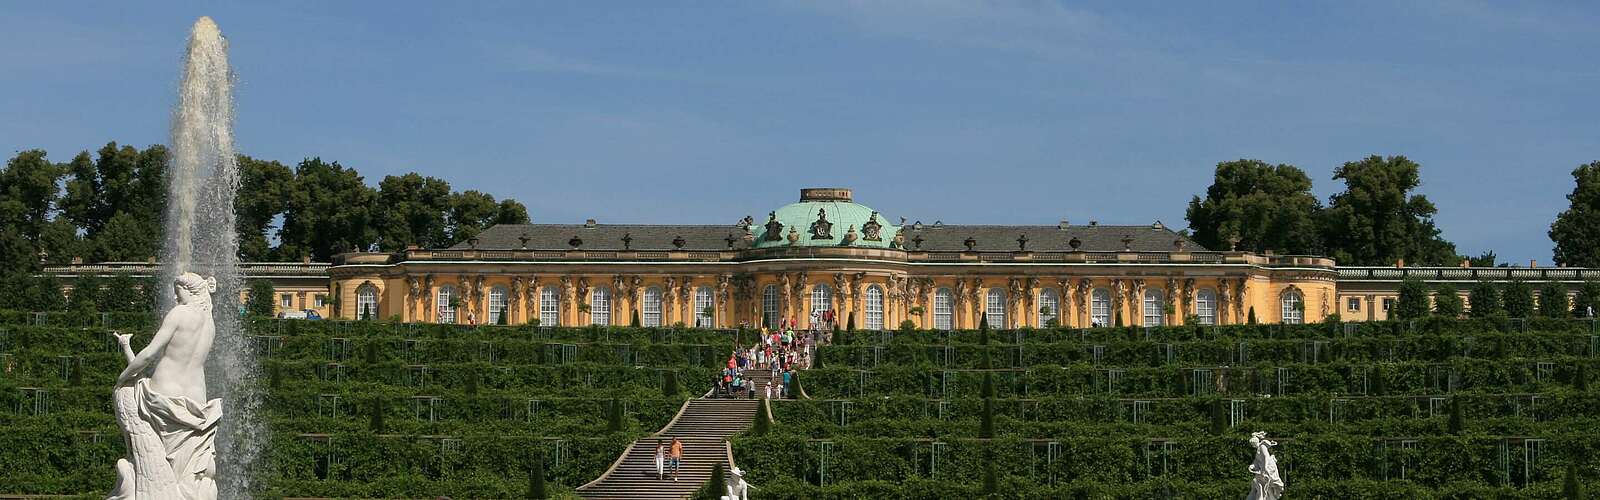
(1096, 238)
(606, 236)
(936, 238)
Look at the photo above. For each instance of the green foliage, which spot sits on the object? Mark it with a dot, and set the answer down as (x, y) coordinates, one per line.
(1413, 300)
(669, 384)
(1455, 423)
(536, 486)
(983, 326)
(632, 322)
(991, 478)
(986, 422)
(1250, 318)
(1553, 301)
(375, 411)
(86, 291)
(1219, 420)
(1485, 259)
(260, 301)
(614, 416)
(763, 420)
(1484, 301)
(714, 487)
(1264, 206)
(850, 322)
(794, 379)
(1588, 299)
(1447, 301)
(1576, 231)
(1378, 220)
(1517, 299)
(1571, 489)
(907, 326)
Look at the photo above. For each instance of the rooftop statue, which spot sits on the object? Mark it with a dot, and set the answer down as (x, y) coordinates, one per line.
(160, 402)
(1267, 485)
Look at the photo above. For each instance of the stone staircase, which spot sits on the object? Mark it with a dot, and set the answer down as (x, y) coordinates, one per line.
(704, 425)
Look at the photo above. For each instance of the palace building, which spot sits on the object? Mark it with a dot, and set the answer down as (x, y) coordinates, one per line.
(826, 252)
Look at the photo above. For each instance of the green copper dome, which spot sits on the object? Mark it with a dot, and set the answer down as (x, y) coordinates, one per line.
(825, 217)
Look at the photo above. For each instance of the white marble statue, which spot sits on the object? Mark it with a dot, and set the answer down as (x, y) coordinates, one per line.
(170, 427)
(1267, 485)
(738, 489)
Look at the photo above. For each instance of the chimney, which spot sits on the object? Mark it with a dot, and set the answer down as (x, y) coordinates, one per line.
(1466, 262)
(1063, 225)
(151, 260)
(589, 223)
(1400, 263)
(1532, 263)
(305, 259)
(77, 261)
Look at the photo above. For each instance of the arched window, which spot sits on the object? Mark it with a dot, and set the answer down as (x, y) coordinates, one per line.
(366, 301)
(600, 306)
(705, 313)
(943, 309)
(1049, 306)
(821, 299)
(497, 305)
(874, 307)
(1294, 309)
(1205, 306)
(447, 308)
(995, 308)
(1155, 306)
(650, 306)
(1100, 307)
(550, 306)
(769, 305)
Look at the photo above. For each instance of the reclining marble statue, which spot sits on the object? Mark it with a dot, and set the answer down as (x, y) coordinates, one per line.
(169, 426)
(1267, 484)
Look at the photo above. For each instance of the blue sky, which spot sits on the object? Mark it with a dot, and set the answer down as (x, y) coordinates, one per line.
(955, 110)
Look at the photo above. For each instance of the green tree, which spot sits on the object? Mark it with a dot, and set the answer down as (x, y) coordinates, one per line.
(1377, 220)
(121, 294)
(1517, 299)
(1264, 206)
(413, 210)
(763, 420)
(28, 195)
(118, 200)
(260, 299)
(1553, 301)
(264, 191)
(1571, 489)
(1576, 231)
(511, 212)
(470, 212)
(45, 294)
(330, 211)
(536, 487)
(1250, 318)
(1485, 259)
(1456, 421)
(614, 416)
(986, 422)
(126, 238)
(375, 412)
(85, 296)
(1413, 300)
(1484, 300)
(1447, 301)
(1588, 300)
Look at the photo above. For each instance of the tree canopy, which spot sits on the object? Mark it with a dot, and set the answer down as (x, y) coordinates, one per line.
(1576, 231)
(1377, 220)
(1264, 206)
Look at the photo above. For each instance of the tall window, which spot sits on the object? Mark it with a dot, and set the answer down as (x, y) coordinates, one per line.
(651, 306)
(447, 311)
(550, 306)
(497, 305)
(1100, 307)
(943, 309)
(1293, 308)
(1205, 306)
(367, 302)
(821, 299)
(769, 305)
(874, 307)
(1049, 306)
(995, 308)
(1155, 305)
(600, 306)
(702, 303)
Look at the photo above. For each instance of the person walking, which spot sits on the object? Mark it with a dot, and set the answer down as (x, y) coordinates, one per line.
(676, 460)
(661, 459)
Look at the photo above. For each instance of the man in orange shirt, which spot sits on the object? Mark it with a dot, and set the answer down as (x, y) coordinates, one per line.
(676, 459)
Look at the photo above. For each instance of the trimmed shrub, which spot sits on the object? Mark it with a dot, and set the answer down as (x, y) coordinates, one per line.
(1553, 301)
(1484, 301)
(1447, 301)
(1413, 300)
(1517, 299)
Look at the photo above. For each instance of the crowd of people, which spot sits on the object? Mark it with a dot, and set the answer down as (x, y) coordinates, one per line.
(780, 351)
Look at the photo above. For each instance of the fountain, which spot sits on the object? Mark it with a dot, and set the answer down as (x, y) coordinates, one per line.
(171, 399)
